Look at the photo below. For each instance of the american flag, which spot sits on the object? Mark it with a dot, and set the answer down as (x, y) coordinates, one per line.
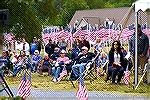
(62, 74)
(22, 85)
(25, 86)
(82, 93)
(28, 86)
(126, 77)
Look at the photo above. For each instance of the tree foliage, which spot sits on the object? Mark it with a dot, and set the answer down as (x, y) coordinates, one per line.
(22, 21)
(28, 16)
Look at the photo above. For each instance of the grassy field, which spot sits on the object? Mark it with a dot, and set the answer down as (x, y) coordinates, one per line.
(44, 82)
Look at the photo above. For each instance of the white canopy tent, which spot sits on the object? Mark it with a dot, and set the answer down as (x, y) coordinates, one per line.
(143, 5)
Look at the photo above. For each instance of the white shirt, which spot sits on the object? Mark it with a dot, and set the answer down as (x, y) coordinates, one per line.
(116, 57)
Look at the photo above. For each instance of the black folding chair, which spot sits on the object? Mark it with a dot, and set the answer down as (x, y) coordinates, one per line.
(5, 87)
(89, 69)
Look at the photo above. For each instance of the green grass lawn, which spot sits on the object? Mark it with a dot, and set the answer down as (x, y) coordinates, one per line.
(44, 82)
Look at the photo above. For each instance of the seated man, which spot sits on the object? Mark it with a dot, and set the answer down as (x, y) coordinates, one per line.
(60, 64)
(45, 64)
(83, 58)
(55, 55)
(4, 62)
(36, 58)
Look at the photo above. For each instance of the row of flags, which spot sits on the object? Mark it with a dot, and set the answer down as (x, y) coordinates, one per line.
(103, 33)
(24, 89)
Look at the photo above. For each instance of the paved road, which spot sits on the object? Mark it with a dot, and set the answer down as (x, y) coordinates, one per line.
(37, 94)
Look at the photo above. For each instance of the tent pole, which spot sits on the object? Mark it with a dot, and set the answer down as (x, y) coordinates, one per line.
(136, 54)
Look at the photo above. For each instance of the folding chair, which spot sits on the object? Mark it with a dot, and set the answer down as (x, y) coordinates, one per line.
(23, 66)
(5, 86)
(88, 71)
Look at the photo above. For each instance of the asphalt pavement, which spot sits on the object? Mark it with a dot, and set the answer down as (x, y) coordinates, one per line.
(38, 94)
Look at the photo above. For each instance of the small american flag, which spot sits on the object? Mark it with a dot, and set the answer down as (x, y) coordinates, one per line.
(25, 86)
(28, 87)
(82, 93)
(22, 85)
(62, 74)
(126, 77)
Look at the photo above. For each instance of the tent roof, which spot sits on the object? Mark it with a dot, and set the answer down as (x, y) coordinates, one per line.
(142, 4)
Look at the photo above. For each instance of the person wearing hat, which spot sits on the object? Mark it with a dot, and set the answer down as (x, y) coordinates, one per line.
(60, 62)
(142, 49)
(83, 58)
(36, 58)
(45, 64)
(56, 54)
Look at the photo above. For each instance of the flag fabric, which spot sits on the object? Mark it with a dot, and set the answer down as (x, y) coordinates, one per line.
(126, 78)
(62, 74)
(28, 86)
(24, 89)
(82, 93)
(22, 85)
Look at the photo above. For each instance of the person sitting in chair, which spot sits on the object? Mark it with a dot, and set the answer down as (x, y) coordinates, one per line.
(60, 64)
(23, 62)
(103, 59)
(5, 62)
(36, 58)
(115, 66)
(55, 55)
(45, 64)
(79, 67)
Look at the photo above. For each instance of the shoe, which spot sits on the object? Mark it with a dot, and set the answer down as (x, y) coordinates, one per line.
(73, 79)
(145, 82)
(54, 80)
(106, 80)
(114, 83)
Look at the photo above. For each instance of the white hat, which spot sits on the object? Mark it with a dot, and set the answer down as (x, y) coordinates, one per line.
(36, 51)
(84, 48)
(63, 51)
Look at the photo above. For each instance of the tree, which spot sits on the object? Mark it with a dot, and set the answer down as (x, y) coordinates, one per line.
(22, 21)
(68, 10)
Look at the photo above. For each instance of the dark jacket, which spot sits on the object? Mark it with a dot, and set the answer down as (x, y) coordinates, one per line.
(111, 58)
(49, 49)
(84, 58)
(142, 44)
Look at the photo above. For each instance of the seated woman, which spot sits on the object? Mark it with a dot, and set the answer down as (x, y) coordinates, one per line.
(23, 62)
(36, 58)
(115, 63)
(60, 64)
(45, 64)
